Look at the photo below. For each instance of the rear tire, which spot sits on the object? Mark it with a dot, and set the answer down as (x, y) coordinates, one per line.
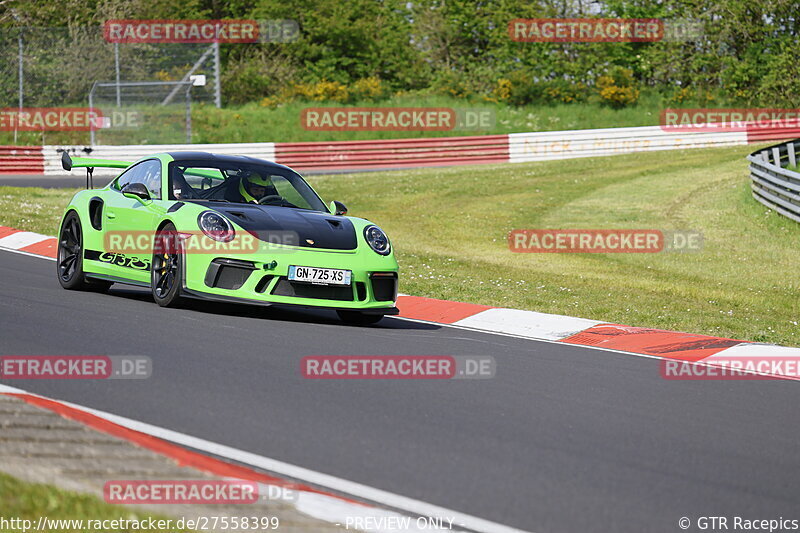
(357, 318)
(69, 259)
(166, 269)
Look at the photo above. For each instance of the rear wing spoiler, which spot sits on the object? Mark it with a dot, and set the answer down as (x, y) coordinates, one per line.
(68, 163)
(87, 162)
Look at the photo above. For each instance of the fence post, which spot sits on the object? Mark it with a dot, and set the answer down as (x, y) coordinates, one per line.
(790, 149)
(21, 76)
(776, 153)
(189, 113)
(217, 85)
(116, 65)
(91, 124)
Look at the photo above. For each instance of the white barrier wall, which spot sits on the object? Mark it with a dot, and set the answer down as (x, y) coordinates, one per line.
(542, 146)
(522, 147)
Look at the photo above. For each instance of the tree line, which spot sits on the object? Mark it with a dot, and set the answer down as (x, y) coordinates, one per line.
(745, 54)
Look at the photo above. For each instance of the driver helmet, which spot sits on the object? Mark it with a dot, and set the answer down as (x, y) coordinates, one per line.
(254, 187)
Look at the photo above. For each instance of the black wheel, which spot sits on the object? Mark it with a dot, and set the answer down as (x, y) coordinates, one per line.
(167, 269)
(69, 259)
(358, 318)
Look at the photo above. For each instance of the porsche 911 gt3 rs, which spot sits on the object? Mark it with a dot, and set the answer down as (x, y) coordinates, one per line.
(224, 228)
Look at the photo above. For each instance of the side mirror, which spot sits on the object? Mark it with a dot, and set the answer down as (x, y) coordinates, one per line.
(136, 191)
(338, 208)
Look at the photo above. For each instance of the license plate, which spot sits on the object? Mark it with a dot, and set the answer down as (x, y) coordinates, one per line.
(320, 276)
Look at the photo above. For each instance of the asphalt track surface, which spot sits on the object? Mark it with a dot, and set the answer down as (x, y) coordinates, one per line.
(564, 438)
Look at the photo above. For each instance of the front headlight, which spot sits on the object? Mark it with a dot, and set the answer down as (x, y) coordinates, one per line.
(216, 226)
(377, 240)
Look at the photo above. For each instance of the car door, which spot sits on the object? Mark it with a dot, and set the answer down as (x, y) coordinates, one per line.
(131, 222)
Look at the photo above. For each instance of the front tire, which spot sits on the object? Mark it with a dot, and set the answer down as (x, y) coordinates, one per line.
(356, 318)
(166, 271)
(69, 259)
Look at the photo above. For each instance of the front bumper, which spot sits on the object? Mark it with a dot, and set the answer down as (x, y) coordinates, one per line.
(262, 279)
(235, 300)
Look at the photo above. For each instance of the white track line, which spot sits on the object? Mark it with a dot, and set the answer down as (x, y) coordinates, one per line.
(27, 253)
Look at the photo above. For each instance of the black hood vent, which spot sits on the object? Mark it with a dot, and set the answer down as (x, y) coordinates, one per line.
(297, 227)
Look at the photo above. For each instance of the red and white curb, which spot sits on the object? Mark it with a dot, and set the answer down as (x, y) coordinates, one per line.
(26, 241)
(650, 342)
(326, 504)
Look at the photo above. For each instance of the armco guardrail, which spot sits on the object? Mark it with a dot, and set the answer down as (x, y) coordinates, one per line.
(430, 152)
(773, 184)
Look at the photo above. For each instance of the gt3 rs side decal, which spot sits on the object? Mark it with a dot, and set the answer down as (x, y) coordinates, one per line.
(117, 259)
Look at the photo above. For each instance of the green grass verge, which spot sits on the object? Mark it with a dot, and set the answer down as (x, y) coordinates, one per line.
(449, 229)
(32, 208)
(29, 501)
(254, 123)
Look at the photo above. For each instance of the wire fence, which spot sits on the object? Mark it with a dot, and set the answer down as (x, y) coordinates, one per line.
(60, 65)
(140, 89)
(149, 112)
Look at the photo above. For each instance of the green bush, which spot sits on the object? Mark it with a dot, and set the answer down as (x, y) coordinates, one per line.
(618, 88)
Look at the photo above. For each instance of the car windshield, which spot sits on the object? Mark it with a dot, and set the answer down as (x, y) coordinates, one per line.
(241, 183)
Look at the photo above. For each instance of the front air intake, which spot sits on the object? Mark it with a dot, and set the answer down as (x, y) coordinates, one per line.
(228, 273)
(384, 286)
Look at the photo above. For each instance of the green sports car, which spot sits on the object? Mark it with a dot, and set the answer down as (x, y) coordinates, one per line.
(224, 228)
